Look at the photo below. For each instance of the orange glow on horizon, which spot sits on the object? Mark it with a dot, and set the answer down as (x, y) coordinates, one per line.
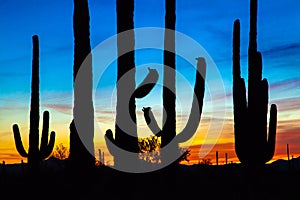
(288, 132)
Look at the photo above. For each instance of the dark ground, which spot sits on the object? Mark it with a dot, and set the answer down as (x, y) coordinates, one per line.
(187, 182)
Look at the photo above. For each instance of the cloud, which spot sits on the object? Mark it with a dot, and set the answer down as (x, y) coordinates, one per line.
(286, 84)
(283, 49)
(5, 134)
(62, 108)
(221, 148)
(288, 104)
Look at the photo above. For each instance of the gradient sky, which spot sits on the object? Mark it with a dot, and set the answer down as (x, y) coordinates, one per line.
(209, 23)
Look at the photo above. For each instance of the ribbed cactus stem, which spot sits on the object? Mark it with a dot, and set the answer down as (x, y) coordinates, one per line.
(254, 146)
(168, 131)
(196, 110)
(46, 146)
(253, 28)
(169, 89)
(127, 92)
(236, 51)
(82, 126)
(35, 153)
(126, 63)
(34, 108)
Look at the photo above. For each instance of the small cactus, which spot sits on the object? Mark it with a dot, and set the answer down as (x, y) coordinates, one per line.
(35, 153)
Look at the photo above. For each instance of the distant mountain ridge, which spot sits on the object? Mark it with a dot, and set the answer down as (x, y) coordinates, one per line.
(56, 165)
(282, 164)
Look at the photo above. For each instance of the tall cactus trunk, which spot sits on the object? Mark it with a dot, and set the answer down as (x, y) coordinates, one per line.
(125, 135)
(168, 131)
(126, 139)
(253, 145)
(82, 127)
(33, 151)
(169, 89)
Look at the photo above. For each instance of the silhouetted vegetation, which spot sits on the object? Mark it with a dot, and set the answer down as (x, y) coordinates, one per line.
(125, 128)
(61, 152)
(81, 156)
(250, 118)
(168, 131)
(195, 115)
(149, 149)
(254, 146)
(169, 90)
(36, 153)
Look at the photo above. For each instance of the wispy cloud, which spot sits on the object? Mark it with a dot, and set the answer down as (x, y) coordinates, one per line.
(288, 104)
(62, 108)
(275, 51)
(286, 84)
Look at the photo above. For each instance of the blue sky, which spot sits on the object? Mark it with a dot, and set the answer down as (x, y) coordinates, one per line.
(209, 23)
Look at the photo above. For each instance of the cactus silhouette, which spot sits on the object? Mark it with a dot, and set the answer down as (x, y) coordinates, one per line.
(196, 109)
(169, 90)
(252, 145)
(125, 127)
(35, 152)
(81, 137)
(168, 131)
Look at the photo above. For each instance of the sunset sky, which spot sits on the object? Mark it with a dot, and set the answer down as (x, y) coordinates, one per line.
(209, 23)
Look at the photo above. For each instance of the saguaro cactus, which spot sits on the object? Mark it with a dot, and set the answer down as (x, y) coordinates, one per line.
(82, 126)
(35, 153)
(168, 131)
(169, 90)
(252, 145)
(195, 114)
(125, 127)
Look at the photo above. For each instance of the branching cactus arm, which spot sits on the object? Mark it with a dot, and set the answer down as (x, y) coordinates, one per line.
(254, 146)
(18, 141)
(197, 105)
(196, 109)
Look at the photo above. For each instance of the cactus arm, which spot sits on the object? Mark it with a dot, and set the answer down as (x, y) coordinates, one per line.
(264, 105)
(239, 96)
(147, 85)
(46, 152)
(110, 142)
(197, 105)
(236, 50)
(46, 148)
(18, 141)
(151, 122)
(45, 131)
(240, 118)
(239, 87)
(272, 133)
(144, 88)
